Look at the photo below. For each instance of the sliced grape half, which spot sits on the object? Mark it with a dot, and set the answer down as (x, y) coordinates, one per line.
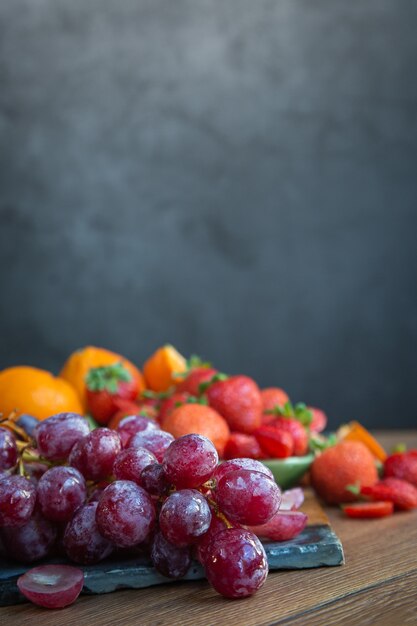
(52, 586)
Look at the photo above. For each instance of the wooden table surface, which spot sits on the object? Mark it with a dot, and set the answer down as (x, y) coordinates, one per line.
(377, 585)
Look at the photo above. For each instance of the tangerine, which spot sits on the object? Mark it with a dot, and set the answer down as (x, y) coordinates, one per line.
(162, 367)
(37, 392)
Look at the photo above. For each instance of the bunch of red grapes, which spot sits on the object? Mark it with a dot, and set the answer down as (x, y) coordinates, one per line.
(92, 493)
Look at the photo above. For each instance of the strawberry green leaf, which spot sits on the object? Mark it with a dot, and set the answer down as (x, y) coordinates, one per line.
(318, 443)
(202, 388)
(107, 378)
(355, 489)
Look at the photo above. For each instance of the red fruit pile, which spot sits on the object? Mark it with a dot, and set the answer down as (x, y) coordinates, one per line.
(347, 472)
(248, 421)
(397, 490)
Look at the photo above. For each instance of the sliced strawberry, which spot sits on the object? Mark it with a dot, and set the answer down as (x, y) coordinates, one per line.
(276, 443)
(401, 493)
(296, 430)
(402, 465)
(369, 509)
(240, 445)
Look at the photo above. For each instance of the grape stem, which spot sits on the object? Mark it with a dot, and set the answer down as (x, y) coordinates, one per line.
(8, 423)
(218, 513)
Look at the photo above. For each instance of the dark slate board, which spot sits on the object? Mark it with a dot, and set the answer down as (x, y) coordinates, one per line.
(316, 546)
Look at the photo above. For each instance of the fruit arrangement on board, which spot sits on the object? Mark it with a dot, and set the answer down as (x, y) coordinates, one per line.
(106, 458)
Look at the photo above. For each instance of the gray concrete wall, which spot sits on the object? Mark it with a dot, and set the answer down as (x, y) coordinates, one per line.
(236, 177)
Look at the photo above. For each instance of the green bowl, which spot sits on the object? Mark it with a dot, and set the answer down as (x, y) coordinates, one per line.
(288, 472)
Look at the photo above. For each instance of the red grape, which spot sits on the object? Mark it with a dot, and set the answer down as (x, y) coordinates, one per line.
(216, 525)
(282, 526)
(130, 462)
(190, 461)
(169, 560)
(94, 455)
(83, 542)
(52, 586)
(184, 517)
(247, 496)
(30, 542)
(56, 435)
(132, 424)
(125, 514)
(291, 499)
(8, 449)
(34, 470)
(156, 441)
(61, 491)
(97, 490)
(17, 500)
(28, 423)
(153, 479)
(233, 464)
(235, 563)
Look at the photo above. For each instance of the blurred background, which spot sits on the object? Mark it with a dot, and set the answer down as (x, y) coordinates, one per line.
(237, 178)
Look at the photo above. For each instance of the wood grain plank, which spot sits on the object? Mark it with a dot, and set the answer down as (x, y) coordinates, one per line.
(393, 602)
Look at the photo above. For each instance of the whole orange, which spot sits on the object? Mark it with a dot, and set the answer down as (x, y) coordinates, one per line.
(161, 368)
(199, 419)
(346, 463)
(37, 392)
(78, 364)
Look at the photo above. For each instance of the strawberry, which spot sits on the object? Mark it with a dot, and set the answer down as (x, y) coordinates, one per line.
(196, 377)
(273, 396)
(276, 443)
(297, 431)
(339, 466)
(240, 445)
(369, 509)
(171, 403)
(401, 493)
(402, 465)
(298, 411)
(150, 399)
(238, 400)
(106, 386)
(319, 420)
